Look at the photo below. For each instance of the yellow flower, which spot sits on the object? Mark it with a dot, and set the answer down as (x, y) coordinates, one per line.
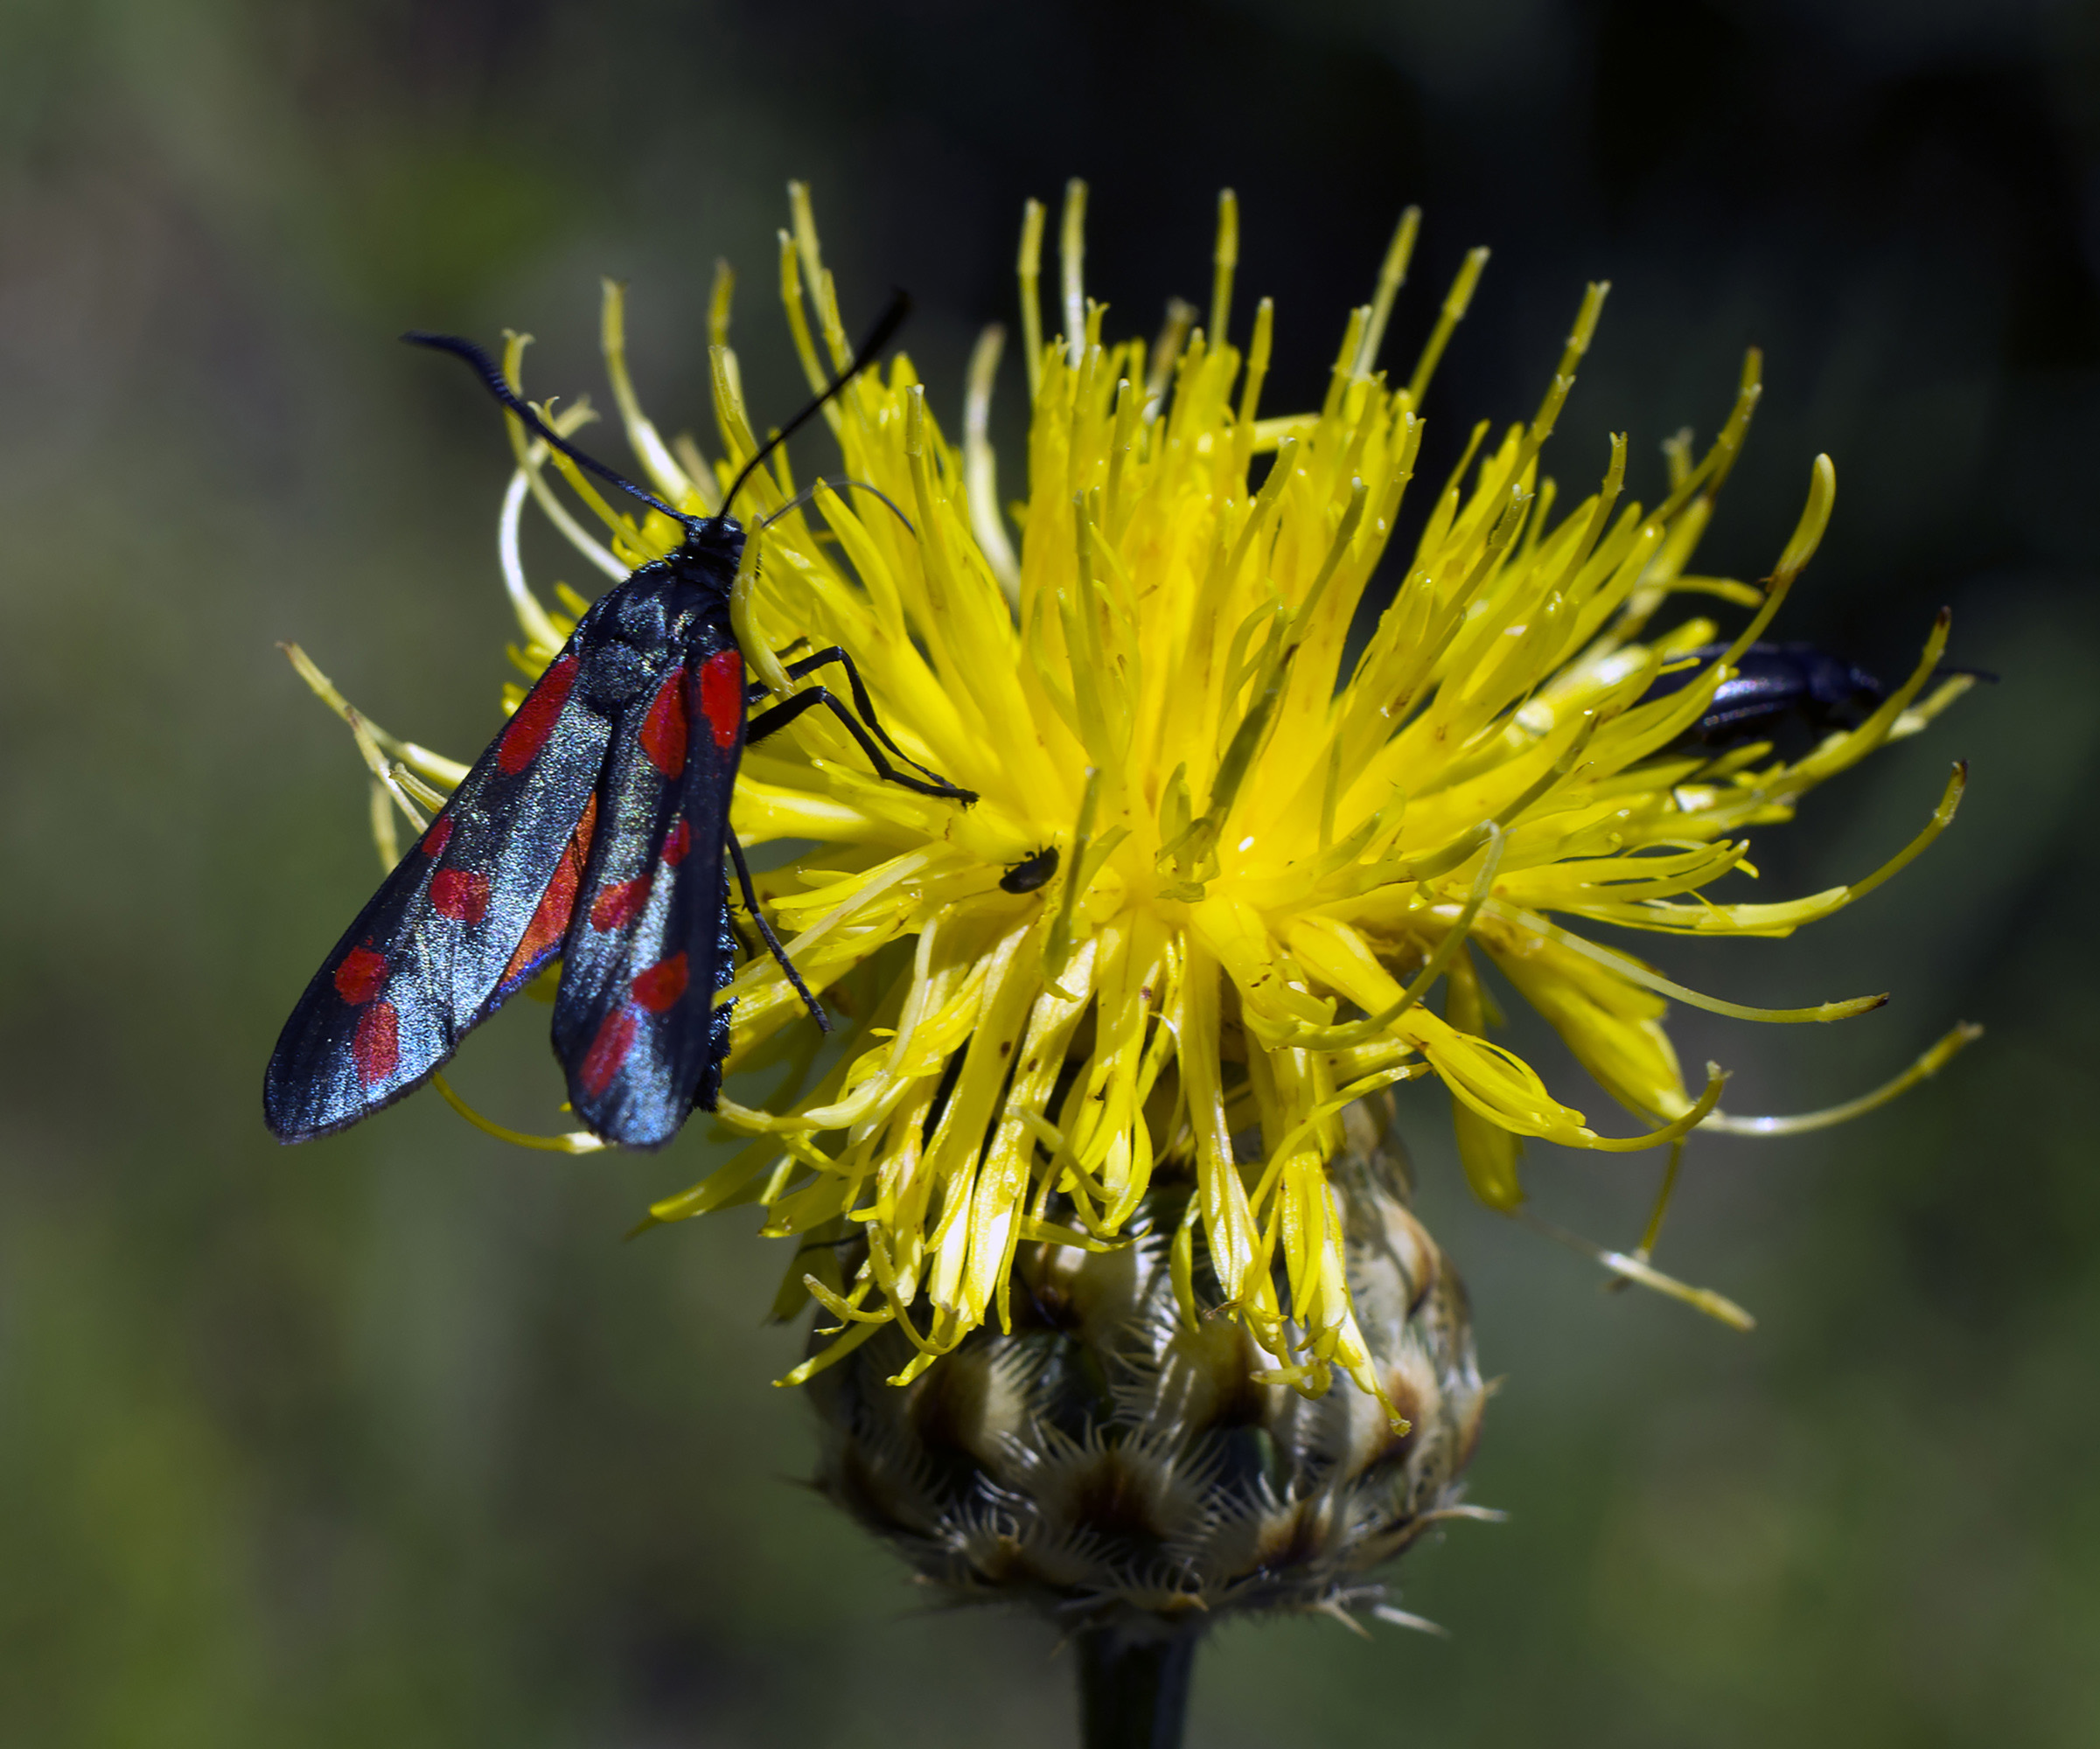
(1270, 844)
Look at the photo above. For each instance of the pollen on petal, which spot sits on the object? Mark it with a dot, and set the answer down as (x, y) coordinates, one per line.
(722, 696)
(375, 1047)
(608, 1051)
(661, 984)
(618, 906)
(534, 719)
(460, 894)
(663, 734)
(361, 976)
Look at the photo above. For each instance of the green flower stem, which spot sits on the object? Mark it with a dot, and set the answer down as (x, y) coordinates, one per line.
(1133, 1694)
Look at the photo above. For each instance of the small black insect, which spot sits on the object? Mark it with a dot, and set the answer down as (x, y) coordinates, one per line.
(595, 829)
(1781, 692)
(1031, 871)
(1775, 687)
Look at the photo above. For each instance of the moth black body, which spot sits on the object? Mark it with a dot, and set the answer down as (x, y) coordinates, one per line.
(594, 829)
(1031, 871)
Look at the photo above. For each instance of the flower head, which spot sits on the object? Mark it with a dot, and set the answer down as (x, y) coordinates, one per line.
(1226, 851)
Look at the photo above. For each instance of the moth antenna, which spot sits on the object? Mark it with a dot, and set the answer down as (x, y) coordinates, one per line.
(878, 338)
(811, 490)
(492, 378)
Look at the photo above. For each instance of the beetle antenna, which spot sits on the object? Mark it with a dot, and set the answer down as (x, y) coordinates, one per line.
(492, 378)
(878, 338)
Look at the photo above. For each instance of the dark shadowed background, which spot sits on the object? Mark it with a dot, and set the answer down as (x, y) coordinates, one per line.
(391, 1440)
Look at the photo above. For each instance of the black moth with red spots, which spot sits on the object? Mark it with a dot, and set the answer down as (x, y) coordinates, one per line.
(594, 829)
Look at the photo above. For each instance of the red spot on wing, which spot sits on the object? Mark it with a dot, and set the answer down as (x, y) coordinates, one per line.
(558, 902)
(661, 984)
(460, 894)
(533, 720)
(722, 696)
(360, 976)
(608, 1051)
(439, 835)
(678, 843)
(663, 736)
(618, 906)
(376, 1047)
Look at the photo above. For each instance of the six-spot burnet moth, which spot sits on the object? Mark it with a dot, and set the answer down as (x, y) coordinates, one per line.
(594, 829)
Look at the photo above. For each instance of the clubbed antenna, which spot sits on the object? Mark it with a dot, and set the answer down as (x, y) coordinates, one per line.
(878, 338)
(492, 378)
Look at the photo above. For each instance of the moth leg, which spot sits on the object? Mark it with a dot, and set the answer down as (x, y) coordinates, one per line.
(771, 721)
(865, 706)
(772, 941)
(861, 703)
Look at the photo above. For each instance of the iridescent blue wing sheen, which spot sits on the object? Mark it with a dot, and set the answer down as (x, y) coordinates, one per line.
(649, 943)
(478, 904)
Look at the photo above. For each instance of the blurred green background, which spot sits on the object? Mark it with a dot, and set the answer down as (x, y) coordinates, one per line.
(391, 1440)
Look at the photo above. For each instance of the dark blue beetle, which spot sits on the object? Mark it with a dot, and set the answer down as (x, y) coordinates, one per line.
(1776, 687)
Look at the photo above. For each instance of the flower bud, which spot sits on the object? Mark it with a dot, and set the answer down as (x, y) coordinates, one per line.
(1115, 1466)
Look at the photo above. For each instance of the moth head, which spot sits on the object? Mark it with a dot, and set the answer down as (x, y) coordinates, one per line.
(712, 544)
